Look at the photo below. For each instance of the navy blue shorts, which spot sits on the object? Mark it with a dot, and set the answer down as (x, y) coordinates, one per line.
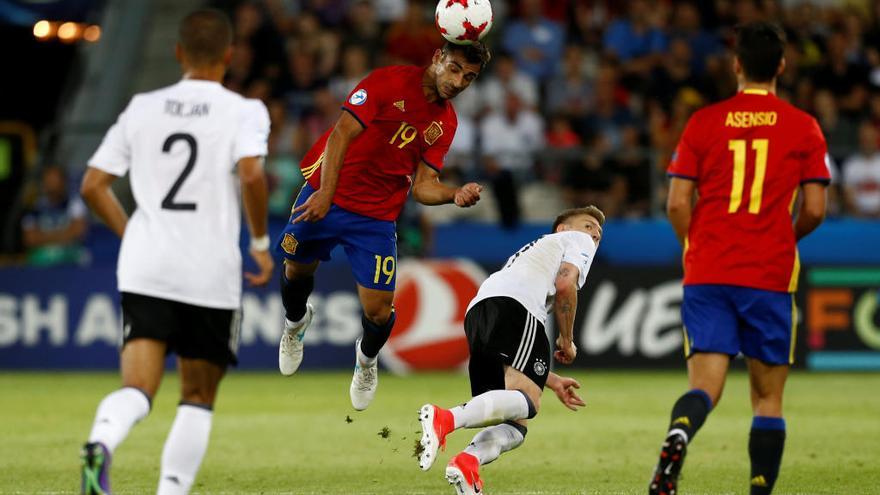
(728, 319)
(370, 244)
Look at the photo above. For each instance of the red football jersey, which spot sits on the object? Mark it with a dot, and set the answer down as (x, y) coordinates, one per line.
(401, 129)
(748, 155)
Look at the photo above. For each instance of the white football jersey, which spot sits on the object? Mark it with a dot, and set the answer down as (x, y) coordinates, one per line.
(180, 145)
(529, 276)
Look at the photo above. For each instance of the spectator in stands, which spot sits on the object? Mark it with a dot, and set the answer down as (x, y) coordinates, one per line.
(241, 68)
(300, 91)
(415, 232)
(861, 176)
(570, 92)
(507, 78)
(363, 30)
(590, 180)
(631, 164)
(535, 41)
(413, 38)
(282, 163)
(842, 71)
(637, 41)
(840, 130)
(321, 45)
(254, 29)
(675, 73)
(586, 23)
(355, 67)
(54, 229)
(610, 111)
(560, 135)
(688, 27)
(511, 137)
(460, 164)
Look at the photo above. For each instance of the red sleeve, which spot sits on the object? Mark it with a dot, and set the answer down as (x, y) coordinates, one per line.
(685, 160)
(368, 96)
(436, 152)
(815, 165)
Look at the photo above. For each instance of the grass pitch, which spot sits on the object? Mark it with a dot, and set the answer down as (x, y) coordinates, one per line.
(290, 435)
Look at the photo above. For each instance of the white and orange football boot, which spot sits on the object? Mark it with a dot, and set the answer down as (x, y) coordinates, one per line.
(462, 473)
(436, 424)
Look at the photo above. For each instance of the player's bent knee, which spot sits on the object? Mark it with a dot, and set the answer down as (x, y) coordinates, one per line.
(294, 270)
(378, 313)
(534, 403)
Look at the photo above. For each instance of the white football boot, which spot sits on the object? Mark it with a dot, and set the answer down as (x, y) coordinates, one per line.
(365, 380)
(290, 350)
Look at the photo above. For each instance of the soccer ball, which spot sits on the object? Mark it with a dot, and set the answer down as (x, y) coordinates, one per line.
(463, 21)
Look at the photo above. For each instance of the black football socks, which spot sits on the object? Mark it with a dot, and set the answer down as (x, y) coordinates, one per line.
(689, 413)
(294, 294)
(766, 442)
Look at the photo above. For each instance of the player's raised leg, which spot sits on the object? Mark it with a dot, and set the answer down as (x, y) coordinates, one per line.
(767, 437)
(297, 283)
(187, 441)
(142, 363)
(378, 321)
(508, 413)
(706, 375)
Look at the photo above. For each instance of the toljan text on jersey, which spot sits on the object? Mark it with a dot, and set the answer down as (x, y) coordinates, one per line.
(186, 109)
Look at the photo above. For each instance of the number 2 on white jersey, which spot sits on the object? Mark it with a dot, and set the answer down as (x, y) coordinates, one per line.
(738, 147)
(168, 202)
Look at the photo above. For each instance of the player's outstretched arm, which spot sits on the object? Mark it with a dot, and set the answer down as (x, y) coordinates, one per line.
(564, 309)
(316, 207)
(428, 190)
(96, 192)
(679, 206)
(564, 388)
(812, 211)
(255, 198)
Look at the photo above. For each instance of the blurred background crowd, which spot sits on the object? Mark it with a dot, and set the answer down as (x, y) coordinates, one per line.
(583, 102)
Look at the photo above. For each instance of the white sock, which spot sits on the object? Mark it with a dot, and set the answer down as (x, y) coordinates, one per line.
(488, 444)
(364, 360)
(491, 408)
(116, 414)
(184, 449)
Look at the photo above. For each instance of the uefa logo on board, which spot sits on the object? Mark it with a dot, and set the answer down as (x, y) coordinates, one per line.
(430, 301)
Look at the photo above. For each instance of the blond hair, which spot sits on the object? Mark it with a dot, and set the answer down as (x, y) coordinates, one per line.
(585, 210)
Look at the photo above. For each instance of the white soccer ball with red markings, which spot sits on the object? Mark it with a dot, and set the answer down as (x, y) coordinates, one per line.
(463, 21)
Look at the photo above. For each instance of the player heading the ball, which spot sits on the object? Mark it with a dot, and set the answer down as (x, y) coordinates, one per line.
(391, 137)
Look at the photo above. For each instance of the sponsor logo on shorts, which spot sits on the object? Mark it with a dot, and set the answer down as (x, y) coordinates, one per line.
(359, 97)
(289, 243)
(540, 367)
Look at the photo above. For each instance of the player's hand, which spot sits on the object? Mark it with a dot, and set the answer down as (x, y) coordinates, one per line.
(265, 264)
(315, 208)
(468, 194)
(566, 351)
(565, 391)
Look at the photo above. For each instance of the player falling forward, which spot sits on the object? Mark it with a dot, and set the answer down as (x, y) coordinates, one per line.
(398, 122)
(510, 354)
(187, 148)
(746, 157)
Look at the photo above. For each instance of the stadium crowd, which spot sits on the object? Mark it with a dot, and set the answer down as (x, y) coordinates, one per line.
(584, 99)
(583, 102)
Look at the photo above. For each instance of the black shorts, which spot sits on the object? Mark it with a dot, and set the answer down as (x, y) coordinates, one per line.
(501, 331)
(190, 331)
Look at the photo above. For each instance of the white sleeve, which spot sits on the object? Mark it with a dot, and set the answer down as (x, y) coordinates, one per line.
(253, 134)
(579, 250)
(114, 154)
